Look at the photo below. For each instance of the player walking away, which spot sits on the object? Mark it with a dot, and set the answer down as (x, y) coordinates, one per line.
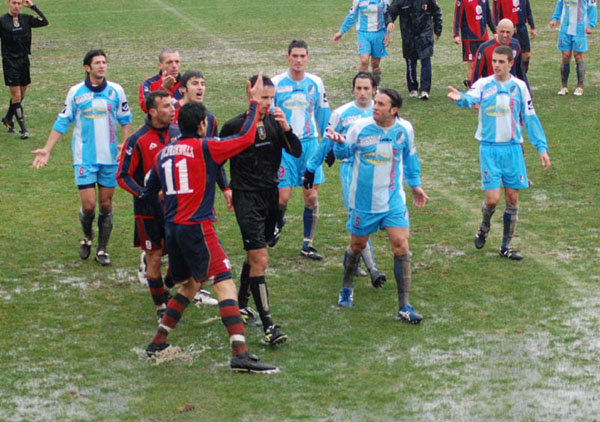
(140, 151)
(470, 21)
(577, 21)
(519, 13)
(504, 102)
(167, 78)
(364, 87)
(302, 98)
(15, 34)
(483, 63)
(372, 37)
(256, 202)
(420, 23)
(95, 106)
(185, 172)
(384, 153)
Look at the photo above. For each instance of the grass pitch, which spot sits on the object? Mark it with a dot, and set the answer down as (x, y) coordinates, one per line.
(501, 341)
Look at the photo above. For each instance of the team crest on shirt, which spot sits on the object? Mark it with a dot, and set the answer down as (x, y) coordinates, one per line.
(311, 90)
(129, 151)
(111, 94)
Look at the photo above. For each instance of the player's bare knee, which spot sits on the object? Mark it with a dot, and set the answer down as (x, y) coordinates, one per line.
(258, 260)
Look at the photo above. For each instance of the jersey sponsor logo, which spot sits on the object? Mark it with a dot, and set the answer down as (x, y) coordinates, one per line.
(152, 146)
(368, 140)
(285, 88)
(497, 111)
(94, 112)
(376, 158)
(489, 92)
(83, 98)
(297, 102)
(479, 12)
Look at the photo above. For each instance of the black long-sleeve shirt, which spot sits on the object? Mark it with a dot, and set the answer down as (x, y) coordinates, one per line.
(256, 168)
(16, 33)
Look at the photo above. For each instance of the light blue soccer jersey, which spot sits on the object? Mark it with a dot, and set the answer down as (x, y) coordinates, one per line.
(575, 16)
(367, 15)
(502, 108)
(382, 160)
(304, 104)
(340, 121)
(95, 112)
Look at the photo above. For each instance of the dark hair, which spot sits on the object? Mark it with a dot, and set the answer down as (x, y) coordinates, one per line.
(266, 80)
(164, 51)
(505, 50)
(151, 99)
(364, 75)
(297, 44)
(394, 97)
(87, 60)
(190, 116)
(189, 75)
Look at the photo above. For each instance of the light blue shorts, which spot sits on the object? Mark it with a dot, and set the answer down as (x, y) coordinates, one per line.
(502, 164)
(371, 43)
(292, 169)
(366, 223)
(103, 174)
(568, 42)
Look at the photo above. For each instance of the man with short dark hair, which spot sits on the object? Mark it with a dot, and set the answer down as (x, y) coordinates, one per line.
(504, 102)
(256, 202)
(301, 96)
(137, 159)
(15, 33)
(95, 106)
(384, 154)
(167, 78)
(185, 172)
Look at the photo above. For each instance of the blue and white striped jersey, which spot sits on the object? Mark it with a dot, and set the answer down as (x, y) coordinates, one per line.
(575, 16)
(340, 121)
(383, 159)
(503, 106)
(367, 15)
(95, 111)
(304, 104)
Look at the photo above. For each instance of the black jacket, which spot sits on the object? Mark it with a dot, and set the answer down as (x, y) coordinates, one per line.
(419, 20)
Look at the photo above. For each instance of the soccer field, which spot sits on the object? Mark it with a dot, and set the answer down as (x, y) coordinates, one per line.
(500, 340)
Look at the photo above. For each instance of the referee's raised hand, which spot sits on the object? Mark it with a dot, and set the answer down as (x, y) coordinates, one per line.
(254, 92)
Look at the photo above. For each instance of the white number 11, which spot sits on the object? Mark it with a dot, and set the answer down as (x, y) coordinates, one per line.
(184, 185)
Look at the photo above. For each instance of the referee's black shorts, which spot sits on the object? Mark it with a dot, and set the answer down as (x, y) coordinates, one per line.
(16, 71)
(257, 213)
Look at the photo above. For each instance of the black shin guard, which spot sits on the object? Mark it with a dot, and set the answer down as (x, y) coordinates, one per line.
(350, 263)
(260, 293)
(105, 226)
(87, 219)
(403, 275)
(580, 73)
(565, 69)
(244, 292)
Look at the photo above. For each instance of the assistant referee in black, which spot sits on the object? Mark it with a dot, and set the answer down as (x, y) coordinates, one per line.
(15, 33)
(254, 183)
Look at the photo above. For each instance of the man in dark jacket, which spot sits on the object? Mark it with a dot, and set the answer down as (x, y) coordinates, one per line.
(419, 21)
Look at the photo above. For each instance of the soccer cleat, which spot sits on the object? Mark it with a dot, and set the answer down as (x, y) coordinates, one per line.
(413, 94)
(203, 298)
(408, 314)
(480, 237)
(359, 272)
(273, 336)
(251, 363)
(511, 254)
(377, 279)
(142, 269)
(276, 234)
(346, 298)
(250, 317)
(578, 91)
(102, 258)
(9, 124)
(563, 91)
(85, 248)
(156, 349)
(311, 253)
(24, 134)
(467, 83)
(424, 95)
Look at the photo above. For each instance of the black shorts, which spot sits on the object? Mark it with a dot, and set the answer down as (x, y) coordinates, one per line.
(16, 71)
(257, 213)
(522, 35)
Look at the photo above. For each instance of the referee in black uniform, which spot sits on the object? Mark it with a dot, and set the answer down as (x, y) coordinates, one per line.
(256, 201)
(15, 33)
